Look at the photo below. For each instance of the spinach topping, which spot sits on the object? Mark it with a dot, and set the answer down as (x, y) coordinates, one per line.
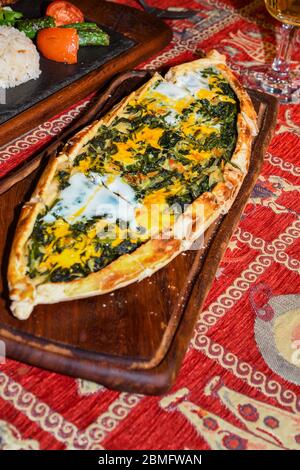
(43, 236)
(222, 111)
(227, 90)
(169, 139)
(210, 72)
(197, 188)
(95, 263)
(63, 177)
(155, 167)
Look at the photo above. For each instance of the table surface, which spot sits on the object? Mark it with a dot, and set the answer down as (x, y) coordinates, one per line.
(239, 384)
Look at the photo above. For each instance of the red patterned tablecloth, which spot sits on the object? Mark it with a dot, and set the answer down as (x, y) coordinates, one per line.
(239, 384)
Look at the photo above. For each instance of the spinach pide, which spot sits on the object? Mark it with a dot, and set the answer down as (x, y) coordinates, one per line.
(133, 190)
(165, 148)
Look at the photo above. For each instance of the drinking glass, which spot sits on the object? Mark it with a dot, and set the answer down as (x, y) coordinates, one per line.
(277, 78)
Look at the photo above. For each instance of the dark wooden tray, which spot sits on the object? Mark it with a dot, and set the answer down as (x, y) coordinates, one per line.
(135, 36)
(135, 338)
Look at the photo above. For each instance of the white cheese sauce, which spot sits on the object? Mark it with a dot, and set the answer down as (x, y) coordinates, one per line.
(186, 84)
(171, 91)
(171, 118)
(193, 82)
(87, 197)
(119, 187)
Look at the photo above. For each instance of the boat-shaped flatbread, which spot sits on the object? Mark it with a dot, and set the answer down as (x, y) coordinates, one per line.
(133, 190)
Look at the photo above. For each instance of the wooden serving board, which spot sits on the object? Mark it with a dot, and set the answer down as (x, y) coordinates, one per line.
(135, 338)
(135, 36)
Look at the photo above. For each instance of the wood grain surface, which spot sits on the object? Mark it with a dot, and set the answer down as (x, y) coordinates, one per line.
(135, 338)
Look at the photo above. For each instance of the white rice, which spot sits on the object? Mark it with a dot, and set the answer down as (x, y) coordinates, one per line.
(19, 58)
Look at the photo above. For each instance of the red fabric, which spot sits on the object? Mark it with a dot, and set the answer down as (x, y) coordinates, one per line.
(233, 390)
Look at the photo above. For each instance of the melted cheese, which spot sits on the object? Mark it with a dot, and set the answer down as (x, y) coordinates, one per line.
(197, 156)
(180, 105)
(72, 251)
(77, 254)
(160, 195)
(156, 197)
(84, 164)
(206, 94)
(124, 154)
(149, 136)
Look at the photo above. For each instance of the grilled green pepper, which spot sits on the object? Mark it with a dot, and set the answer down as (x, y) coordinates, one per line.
(93, 38)
(32, 27)
(81, 26)
(90, 34)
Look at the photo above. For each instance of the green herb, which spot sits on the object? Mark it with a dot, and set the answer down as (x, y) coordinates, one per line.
(223, 110)
(68, 274)
(227, 90)
(40, 234)
(8, 17)
(63, 177)
(209, 72)
(169, 139)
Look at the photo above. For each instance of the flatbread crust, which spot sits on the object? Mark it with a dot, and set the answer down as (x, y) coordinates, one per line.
(155, 253)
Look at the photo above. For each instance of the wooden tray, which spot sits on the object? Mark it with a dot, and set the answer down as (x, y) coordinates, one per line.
(135, 36)
(135, 338)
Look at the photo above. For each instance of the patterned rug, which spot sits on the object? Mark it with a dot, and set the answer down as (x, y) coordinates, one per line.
(239, 385)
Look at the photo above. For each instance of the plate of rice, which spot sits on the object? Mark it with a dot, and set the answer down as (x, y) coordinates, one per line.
(19, 58)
